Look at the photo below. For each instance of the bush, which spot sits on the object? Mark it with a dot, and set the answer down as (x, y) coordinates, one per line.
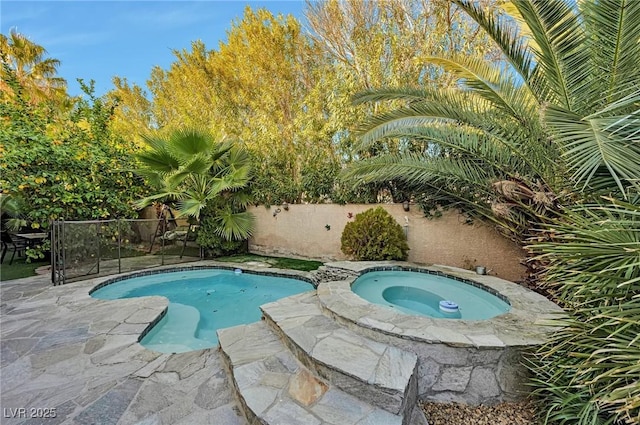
(374, 235)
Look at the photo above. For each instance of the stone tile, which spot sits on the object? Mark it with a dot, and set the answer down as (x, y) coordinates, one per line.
(288, 413)
(484, 383)
(339, 354)
(16, 373)
(486, 341)
(258, 399)
(62, 337)
(303, 338)
(17, 347)
(150, 368)
(381, 417)
(224, 415)
(44, 359)
(108, 409)
(128, 329)
(453, 379)
(143, 316)
(275, 380)
(337, 407)
(214, 392)
(306, 388)
(395, 369)
(249, 375)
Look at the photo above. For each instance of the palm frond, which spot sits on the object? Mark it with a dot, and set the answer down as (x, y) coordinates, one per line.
(512, 45)
(591, 144)
(615, 30)
(560, 47)
(188, 142)
(235, 226)
(489, 82)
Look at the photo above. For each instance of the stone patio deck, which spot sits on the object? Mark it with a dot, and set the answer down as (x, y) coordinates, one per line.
(63, 350)
(323, 357)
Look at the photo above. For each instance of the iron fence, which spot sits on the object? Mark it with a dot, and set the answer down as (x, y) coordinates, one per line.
(82, 249)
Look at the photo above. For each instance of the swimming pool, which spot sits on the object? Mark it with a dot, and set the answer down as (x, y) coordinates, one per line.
(428, 295)
(201, 302)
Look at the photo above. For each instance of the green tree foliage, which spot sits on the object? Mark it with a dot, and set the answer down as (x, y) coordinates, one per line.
(372, 44)
(526, 148)
(511, 146)
(132, 115)
(25, 61)
(374, 235)
(260, 86)
(64, 166)
(204, 178)
(287, 94)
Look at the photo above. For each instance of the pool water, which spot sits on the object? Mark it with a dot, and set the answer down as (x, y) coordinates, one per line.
(201, 302)
(421, 293)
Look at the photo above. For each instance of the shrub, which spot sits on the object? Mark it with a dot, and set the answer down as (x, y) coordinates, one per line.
(374, 235)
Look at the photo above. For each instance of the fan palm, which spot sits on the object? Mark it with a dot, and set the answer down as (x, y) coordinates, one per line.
(192, 170)
(563, 114)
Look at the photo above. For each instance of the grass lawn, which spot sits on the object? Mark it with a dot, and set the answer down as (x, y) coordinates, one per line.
(279, 262)
(19, 269)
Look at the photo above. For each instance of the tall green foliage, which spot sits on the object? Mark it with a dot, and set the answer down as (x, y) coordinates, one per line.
(204, 178)
(526, 148)
(588, 372)
(65, 165)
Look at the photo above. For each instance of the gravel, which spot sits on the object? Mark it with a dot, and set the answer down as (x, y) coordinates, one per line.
(517, 413)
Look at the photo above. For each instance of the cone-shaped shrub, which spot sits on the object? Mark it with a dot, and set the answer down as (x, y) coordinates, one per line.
(374, 235)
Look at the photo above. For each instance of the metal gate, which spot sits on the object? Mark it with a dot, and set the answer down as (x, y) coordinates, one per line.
(84, 249)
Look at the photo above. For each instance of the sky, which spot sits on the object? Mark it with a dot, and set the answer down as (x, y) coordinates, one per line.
(101, 39)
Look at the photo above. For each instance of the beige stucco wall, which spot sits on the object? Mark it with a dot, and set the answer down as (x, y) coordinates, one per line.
(300, 232)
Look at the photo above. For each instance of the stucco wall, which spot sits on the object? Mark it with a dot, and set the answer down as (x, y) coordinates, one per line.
(301, 232)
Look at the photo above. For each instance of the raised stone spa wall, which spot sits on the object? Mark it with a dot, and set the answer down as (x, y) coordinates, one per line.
(458, 374)
(473, 362)
(301, 232)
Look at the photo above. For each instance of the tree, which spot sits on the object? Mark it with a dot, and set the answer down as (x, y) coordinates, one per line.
(373, 44)
(35, 73)
(513, 145)
(555, 132)
(132, 114)
(63, 166)
(194, 171)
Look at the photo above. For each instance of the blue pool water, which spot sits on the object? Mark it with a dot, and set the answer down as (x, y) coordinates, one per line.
(201, 302)
(421, 293)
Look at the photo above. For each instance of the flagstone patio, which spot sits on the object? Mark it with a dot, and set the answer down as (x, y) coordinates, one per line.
(63, 350)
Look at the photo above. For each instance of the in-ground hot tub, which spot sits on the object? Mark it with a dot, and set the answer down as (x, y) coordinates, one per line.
(471, 360)
(431, 295)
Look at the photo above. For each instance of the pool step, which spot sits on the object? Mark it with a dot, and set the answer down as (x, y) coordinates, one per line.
(273, 388)
(374, 372)
(179, 330)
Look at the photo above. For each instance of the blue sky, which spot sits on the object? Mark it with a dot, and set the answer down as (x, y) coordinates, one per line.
(100, 39)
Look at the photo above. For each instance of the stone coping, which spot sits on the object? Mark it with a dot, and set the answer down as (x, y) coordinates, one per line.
(527, 323)
(256, 268)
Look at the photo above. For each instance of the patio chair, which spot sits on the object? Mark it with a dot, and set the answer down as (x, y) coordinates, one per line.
(15, 244)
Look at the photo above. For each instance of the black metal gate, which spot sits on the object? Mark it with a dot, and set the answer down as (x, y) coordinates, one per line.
(84, 249)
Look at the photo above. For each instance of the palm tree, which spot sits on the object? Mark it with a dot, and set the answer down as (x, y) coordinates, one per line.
(547, 146)
(35, 73)
(513, 141)
(194, 171)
